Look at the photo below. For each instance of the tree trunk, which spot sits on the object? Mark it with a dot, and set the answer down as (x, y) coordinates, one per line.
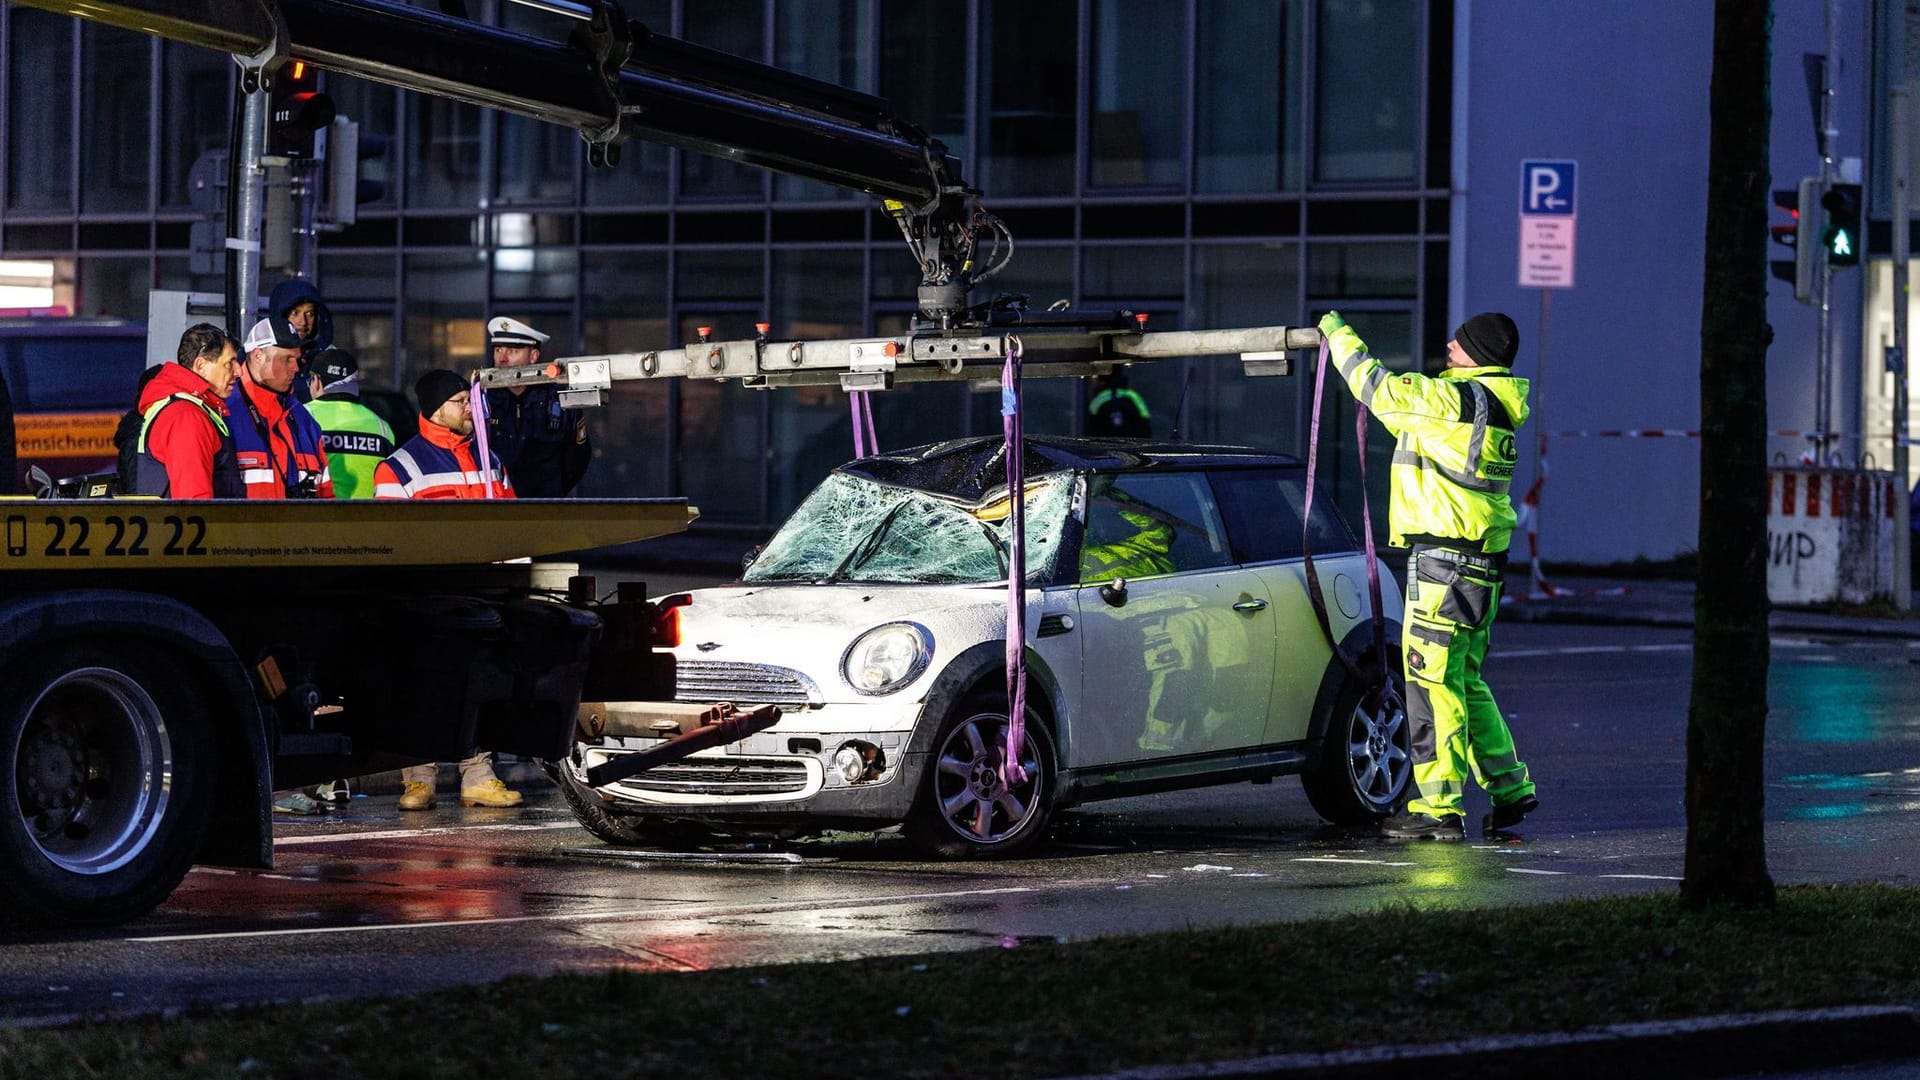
(1726, 720)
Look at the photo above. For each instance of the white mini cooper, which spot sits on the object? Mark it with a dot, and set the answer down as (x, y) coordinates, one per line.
(1172, 643)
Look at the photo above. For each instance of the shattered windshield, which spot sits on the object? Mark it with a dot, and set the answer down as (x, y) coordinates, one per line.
(853, 529)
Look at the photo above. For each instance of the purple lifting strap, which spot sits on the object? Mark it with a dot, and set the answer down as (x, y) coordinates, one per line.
(865, 440)
(1011, 772)
(1376, 679)
(477, 401)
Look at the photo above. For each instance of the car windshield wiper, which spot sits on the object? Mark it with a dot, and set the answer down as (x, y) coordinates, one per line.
(999, 549)
(868, 544)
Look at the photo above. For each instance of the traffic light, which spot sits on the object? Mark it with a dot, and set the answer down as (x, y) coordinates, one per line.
(1797, 233)
(295, 110)
(356, 170)
(1842, 235)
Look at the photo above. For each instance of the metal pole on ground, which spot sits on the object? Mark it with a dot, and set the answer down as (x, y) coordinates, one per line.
(1898, 173)
(1537, 588)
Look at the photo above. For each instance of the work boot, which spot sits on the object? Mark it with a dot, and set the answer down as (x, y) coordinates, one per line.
(333, 791)
(1407, 825)
(417, 795)
(492, 793)
(1506, 817)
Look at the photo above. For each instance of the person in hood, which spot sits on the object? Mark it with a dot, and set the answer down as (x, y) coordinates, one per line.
(297, 303)
(185, 446)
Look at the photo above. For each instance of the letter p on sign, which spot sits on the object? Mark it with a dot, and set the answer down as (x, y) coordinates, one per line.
(1547, 187)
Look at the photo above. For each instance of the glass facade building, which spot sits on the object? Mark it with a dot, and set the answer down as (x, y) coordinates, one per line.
(1211, 162)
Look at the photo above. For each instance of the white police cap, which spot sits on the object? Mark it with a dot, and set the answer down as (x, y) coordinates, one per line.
(512, 333)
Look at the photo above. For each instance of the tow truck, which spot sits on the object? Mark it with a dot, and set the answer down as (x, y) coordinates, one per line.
(164, 666)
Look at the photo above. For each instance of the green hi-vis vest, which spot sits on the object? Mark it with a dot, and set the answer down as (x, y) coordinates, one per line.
(1454, 458)
(356, 441)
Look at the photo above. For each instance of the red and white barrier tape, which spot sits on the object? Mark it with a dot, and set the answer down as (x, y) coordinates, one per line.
(1539, 587)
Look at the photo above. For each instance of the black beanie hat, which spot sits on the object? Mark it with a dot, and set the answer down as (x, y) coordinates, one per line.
(1490, 338)
(435, 387)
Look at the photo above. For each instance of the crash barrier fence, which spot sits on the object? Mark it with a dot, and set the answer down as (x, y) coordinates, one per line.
(1830, 534)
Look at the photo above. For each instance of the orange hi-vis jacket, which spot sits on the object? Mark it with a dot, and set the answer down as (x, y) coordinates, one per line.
(438, 463)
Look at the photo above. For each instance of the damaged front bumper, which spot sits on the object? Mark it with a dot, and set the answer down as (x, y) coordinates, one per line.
(851, 762)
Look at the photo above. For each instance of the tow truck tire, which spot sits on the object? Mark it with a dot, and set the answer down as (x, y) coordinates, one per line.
(621, 830)
(962, 810)
(1366, 761)
(108, 784)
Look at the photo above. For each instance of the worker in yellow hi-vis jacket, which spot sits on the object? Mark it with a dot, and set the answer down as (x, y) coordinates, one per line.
(1452, 466)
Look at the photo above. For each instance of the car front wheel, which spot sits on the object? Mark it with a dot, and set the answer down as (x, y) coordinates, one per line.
(965, 809)
(1366, 760)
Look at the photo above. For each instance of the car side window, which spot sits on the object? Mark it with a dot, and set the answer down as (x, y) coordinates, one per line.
(1141, 525)
(1263, 512)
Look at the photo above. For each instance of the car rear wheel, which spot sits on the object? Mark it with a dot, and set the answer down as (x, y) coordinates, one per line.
(1366, 759)
(107, 788)
(965, 809)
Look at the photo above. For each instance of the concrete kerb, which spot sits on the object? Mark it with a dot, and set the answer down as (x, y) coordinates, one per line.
(1694, 1047)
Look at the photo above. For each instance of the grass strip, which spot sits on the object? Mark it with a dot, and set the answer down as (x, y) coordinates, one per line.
(1397, 975)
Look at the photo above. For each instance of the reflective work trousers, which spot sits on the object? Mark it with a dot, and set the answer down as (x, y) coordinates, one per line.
(1451, 715)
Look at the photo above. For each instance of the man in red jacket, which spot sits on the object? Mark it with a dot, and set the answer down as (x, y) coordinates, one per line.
(185, 450)
(442, 462)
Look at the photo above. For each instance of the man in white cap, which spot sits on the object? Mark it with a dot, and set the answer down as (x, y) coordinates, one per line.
(275, 439)
(544, 446)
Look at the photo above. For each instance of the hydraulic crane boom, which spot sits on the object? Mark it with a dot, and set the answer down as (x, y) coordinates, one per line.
(611, 80)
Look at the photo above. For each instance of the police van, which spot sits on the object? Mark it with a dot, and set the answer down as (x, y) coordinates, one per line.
(67, 381)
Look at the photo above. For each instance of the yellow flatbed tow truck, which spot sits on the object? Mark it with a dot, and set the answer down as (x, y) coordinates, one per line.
(168, 665)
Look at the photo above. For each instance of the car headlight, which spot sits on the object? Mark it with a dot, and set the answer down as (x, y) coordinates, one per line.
(886, 658)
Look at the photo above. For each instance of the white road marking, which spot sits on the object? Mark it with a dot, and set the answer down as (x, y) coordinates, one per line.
(1542, 873)
(403, 834)
(832, 904)
(1359, 862)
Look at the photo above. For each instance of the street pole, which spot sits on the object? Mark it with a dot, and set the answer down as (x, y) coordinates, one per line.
(250, 181)
(1824, 389)
(1536, 398)
(1897, 172)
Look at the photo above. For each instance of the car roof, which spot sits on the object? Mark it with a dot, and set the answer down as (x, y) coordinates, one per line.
(969, 468)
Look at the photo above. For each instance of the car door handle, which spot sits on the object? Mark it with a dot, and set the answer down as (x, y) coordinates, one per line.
(1251, 605)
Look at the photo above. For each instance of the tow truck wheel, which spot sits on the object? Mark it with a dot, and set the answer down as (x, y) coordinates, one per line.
(1366, 761)
(108, 787)
(965, 808)
(620, 830)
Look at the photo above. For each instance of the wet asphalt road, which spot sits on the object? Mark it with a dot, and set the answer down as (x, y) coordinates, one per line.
(370, 901)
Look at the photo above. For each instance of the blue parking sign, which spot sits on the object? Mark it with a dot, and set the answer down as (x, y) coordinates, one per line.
(1548, 187)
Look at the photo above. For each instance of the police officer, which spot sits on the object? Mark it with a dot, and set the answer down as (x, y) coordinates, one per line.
(545, 447)
(355, 438)
(1452, 467)
(1117, 410)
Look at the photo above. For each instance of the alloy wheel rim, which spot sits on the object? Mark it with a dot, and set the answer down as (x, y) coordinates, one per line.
(1376, 751)
(93, 771)
(974, 802)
